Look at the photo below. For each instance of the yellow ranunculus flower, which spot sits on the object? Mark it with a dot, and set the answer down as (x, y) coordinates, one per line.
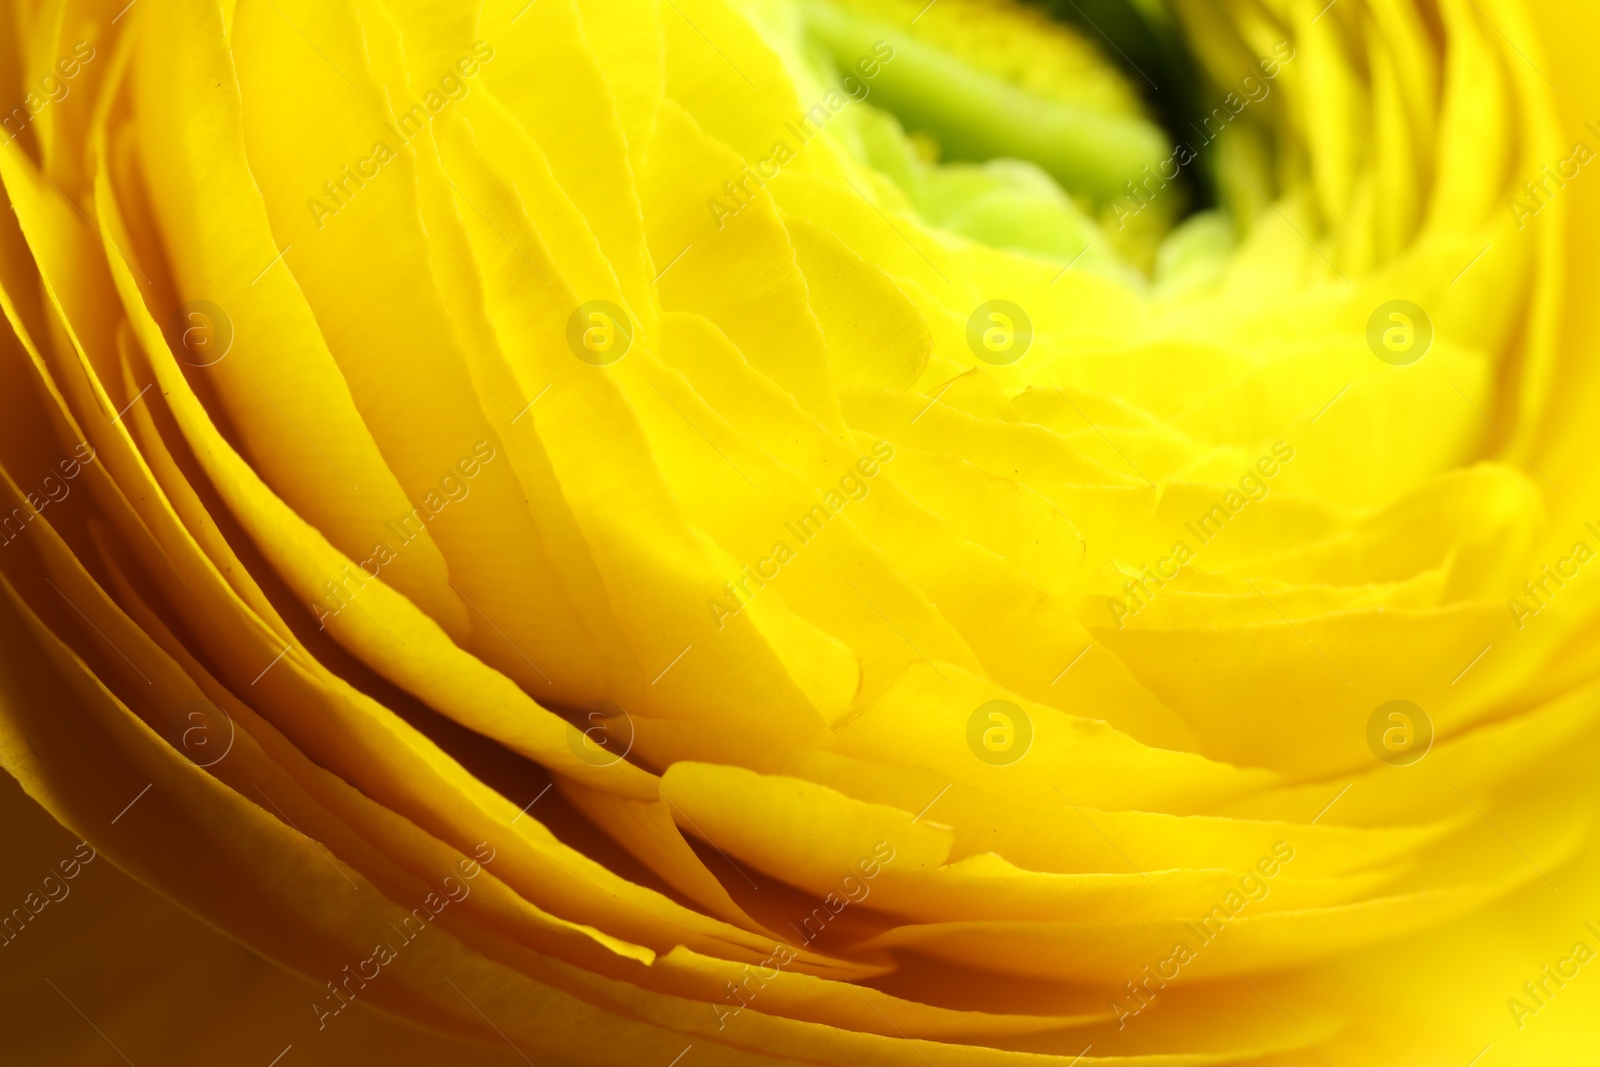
(846, 532)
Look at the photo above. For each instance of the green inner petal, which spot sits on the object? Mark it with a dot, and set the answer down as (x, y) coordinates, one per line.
(1092, 140)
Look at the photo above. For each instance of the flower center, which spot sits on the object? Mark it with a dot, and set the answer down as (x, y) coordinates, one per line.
(1014, 129)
